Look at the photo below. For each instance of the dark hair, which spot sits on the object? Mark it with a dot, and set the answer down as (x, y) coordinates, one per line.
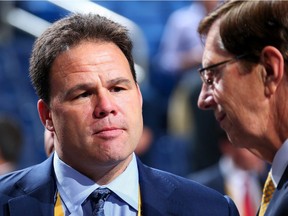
(68, 32)
(249, 26)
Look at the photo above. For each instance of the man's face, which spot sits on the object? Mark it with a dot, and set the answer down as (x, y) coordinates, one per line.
(95, 108)
(236, 95)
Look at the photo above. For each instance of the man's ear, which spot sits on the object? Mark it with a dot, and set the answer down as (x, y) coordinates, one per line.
(45, 115)
(273, 63)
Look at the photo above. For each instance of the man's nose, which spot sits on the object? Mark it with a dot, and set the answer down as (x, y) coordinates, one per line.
(104, 104)
(206, 99)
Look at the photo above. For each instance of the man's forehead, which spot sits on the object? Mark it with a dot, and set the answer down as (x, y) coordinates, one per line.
(213, 45)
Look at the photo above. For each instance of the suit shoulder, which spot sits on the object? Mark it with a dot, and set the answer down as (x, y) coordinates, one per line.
(8, 180)
(30, 175)
(181, 183)
(161, 185)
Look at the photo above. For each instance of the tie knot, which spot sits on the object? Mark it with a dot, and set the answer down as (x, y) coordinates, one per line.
(98, 197)
(100, 194)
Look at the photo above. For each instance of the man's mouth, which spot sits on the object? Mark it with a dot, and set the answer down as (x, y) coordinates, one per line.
(108, 132)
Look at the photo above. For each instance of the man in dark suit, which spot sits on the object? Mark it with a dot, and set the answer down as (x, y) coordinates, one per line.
(83, 72)
(245, 83)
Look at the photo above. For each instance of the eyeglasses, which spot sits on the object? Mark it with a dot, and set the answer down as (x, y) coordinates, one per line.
(207, 74)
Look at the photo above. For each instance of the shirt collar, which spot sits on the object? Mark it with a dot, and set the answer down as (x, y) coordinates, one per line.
(280, 163)
(74, 187)
(126, 185)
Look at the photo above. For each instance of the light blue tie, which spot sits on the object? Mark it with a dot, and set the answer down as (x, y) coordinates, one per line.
(98, 197)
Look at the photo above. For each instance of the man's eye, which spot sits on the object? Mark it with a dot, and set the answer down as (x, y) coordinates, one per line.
(212, 71)
(209, 76)
(209, 73)
(116, 89)
(83, 95)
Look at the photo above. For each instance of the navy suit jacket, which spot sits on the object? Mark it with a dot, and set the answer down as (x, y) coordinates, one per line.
(31, 192)
(278, 205)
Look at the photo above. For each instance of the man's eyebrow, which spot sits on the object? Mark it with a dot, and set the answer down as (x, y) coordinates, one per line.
(119, 80)
(81, 86)
(84, 86)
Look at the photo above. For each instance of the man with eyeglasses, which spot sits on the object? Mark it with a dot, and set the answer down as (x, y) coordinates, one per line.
(245, 83)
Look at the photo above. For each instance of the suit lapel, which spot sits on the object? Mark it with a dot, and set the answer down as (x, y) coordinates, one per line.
(35, 192)
(156, 192)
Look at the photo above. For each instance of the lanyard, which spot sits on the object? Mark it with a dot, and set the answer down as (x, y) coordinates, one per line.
(58, 209)
(139, 202)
